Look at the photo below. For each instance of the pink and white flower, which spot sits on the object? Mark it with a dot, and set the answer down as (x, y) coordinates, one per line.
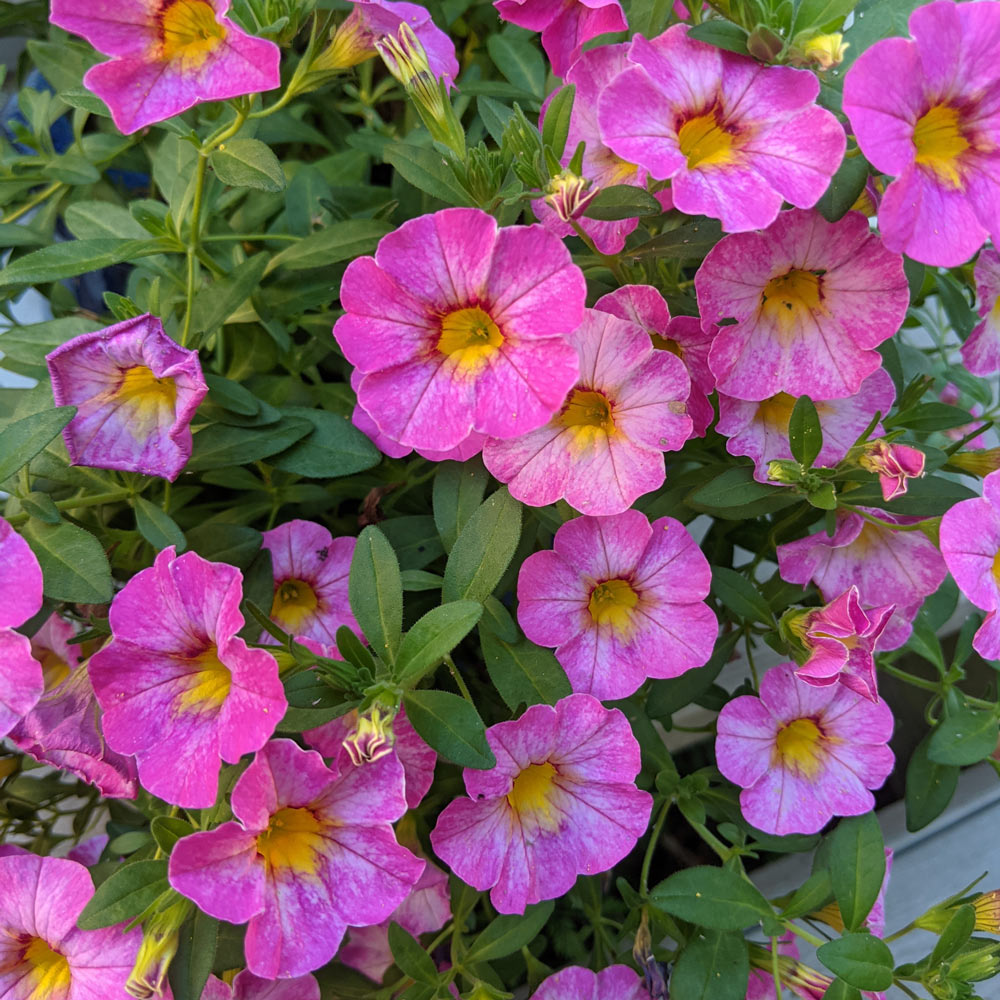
(616, 982)
(981, 351)
(894, 464)
(247, 986)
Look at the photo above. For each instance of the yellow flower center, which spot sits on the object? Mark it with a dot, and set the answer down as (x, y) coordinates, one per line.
(775, 412)
(587, 409)
(667, 344)
(293, 839)
(294, 601)
(611, 603)
(789, 298)
(54, 668)
(532, 792)
(939, 142)
(469, 337)
(49, 976)
(799, 747)
(207, 686)
(189, 31)
(705, 143)
(139, 384)
(996, 568)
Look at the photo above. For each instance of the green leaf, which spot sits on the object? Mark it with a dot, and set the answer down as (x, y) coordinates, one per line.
(861, 960)
(167, 830)
(235, 544)
(691, 241)
(671, 695)
(450, 725)
(483, 549)
(812, 895)
(713, 966)
(338, 241)
(712, 897)
(214, 304)
(433, 636)
(930, 496)
(414, 538)
(71, 168)
(410, 957)
(857, 867)
(66, 260)
(458, 492)
(219, 445)
(196, 947)
(929, 787)
(96, 219)
(930, 417)
(555, 127)
(495, 116)
(522, 672)
(957, 931)
(804, 432)
(248, 163)
(128, 892)
(622, 201)
(311, 703)
(497, 619)
(721, 34)
(376, 592)
(839, 990)
(156, 526)
(353, 650)
(231, 395)
(12, 234)
(42, 506)
(74, 566)
(509, 933)
(520, 62)
(816, 14)
(428, 171)
(967, 737)
(22, 440)
(416, 580)
(954, 298)
(738, 595)
(335, 447)
(735, 495)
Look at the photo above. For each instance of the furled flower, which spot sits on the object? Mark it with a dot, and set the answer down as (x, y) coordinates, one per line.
(43, 954)
(759, 430)
(135, 391)
(603, 449)
(621, 599)
(560, 802)
(616, 982)
(970, 544)
(803, 754)
(247, 986)
(460, 327)
(21, 681)
(180, 690)
(565, 24)
(734, 138)
(812, 300)
(841, 639)
(310, 570)
(981, 351)
(924, 111)
(684, 336)
(313, 851)
(168, 55)
(894, 464)
(824, 51)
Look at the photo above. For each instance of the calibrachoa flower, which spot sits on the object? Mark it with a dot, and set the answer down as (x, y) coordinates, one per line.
(247, 986)
(460, 327)
(313, 851)
(561, 802)
(21, 682)
(981, 351)
(621, 599)
(43, 955)
(602, 450)
(812, 300)
(180, 690)
(565, 24)
(970, 544)
(925, 111)
(616, 982)
(168, 55)
(310, 570)
(684, 336)
(759, 430)
(803, 754)
(894, 464)
(135, 391)
(734, 138)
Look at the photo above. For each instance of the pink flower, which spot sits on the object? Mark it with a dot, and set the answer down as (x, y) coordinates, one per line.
(970, 544)
(180, 690)
(561, 802)
(43, 955)
(603, 449)
(894, 464)
(841, 639)
(925, 111)
(247, 986)
(734, 138)
(458, 327)
(616, 982)
(21, 682)
(135, 391)
(684, 336)
(759, 430)
(168, 55)
(811, 299)
(981, 352)
(313, 851)
(621, 599)
(565, 24)
(803, 754)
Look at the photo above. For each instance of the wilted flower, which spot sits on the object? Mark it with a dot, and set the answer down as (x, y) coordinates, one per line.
(894, 464)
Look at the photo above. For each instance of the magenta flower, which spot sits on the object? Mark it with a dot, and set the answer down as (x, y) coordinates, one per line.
(841, 639)
(803, 754)
(684, 336)
(759, 430)
(894, 464)
(21, 682)
(561, 802)
(247, 986)
(459, 327)
(970, 544)
(135, 391)
(603, 449)
(313, 851)
(925, 111)
(621, 600)
(811, 299)
(43, 955)
(981, 352)
(616, 982)
(565, 24)
(180, 690)
(734, 138)
(168, 55)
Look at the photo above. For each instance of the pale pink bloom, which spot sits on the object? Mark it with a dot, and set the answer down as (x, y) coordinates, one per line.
(981, 351)
(616, 982)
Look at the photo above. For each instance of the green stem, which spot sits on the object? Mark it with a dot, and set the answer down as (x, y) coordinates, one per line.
(650, 848)
(458, 680)
(250, 237)
(724, 852)
(813, 939)
(877, 520)
(75, 502)
(774, 969)
(933, 686)
(32, 202)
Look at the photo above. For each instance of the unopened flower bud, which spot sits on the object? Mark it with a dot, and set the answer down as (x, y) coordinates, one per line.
(784, 470)
(372, 739)
(159, 945)
(825, 51)
(894, 464)
(979, 462)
